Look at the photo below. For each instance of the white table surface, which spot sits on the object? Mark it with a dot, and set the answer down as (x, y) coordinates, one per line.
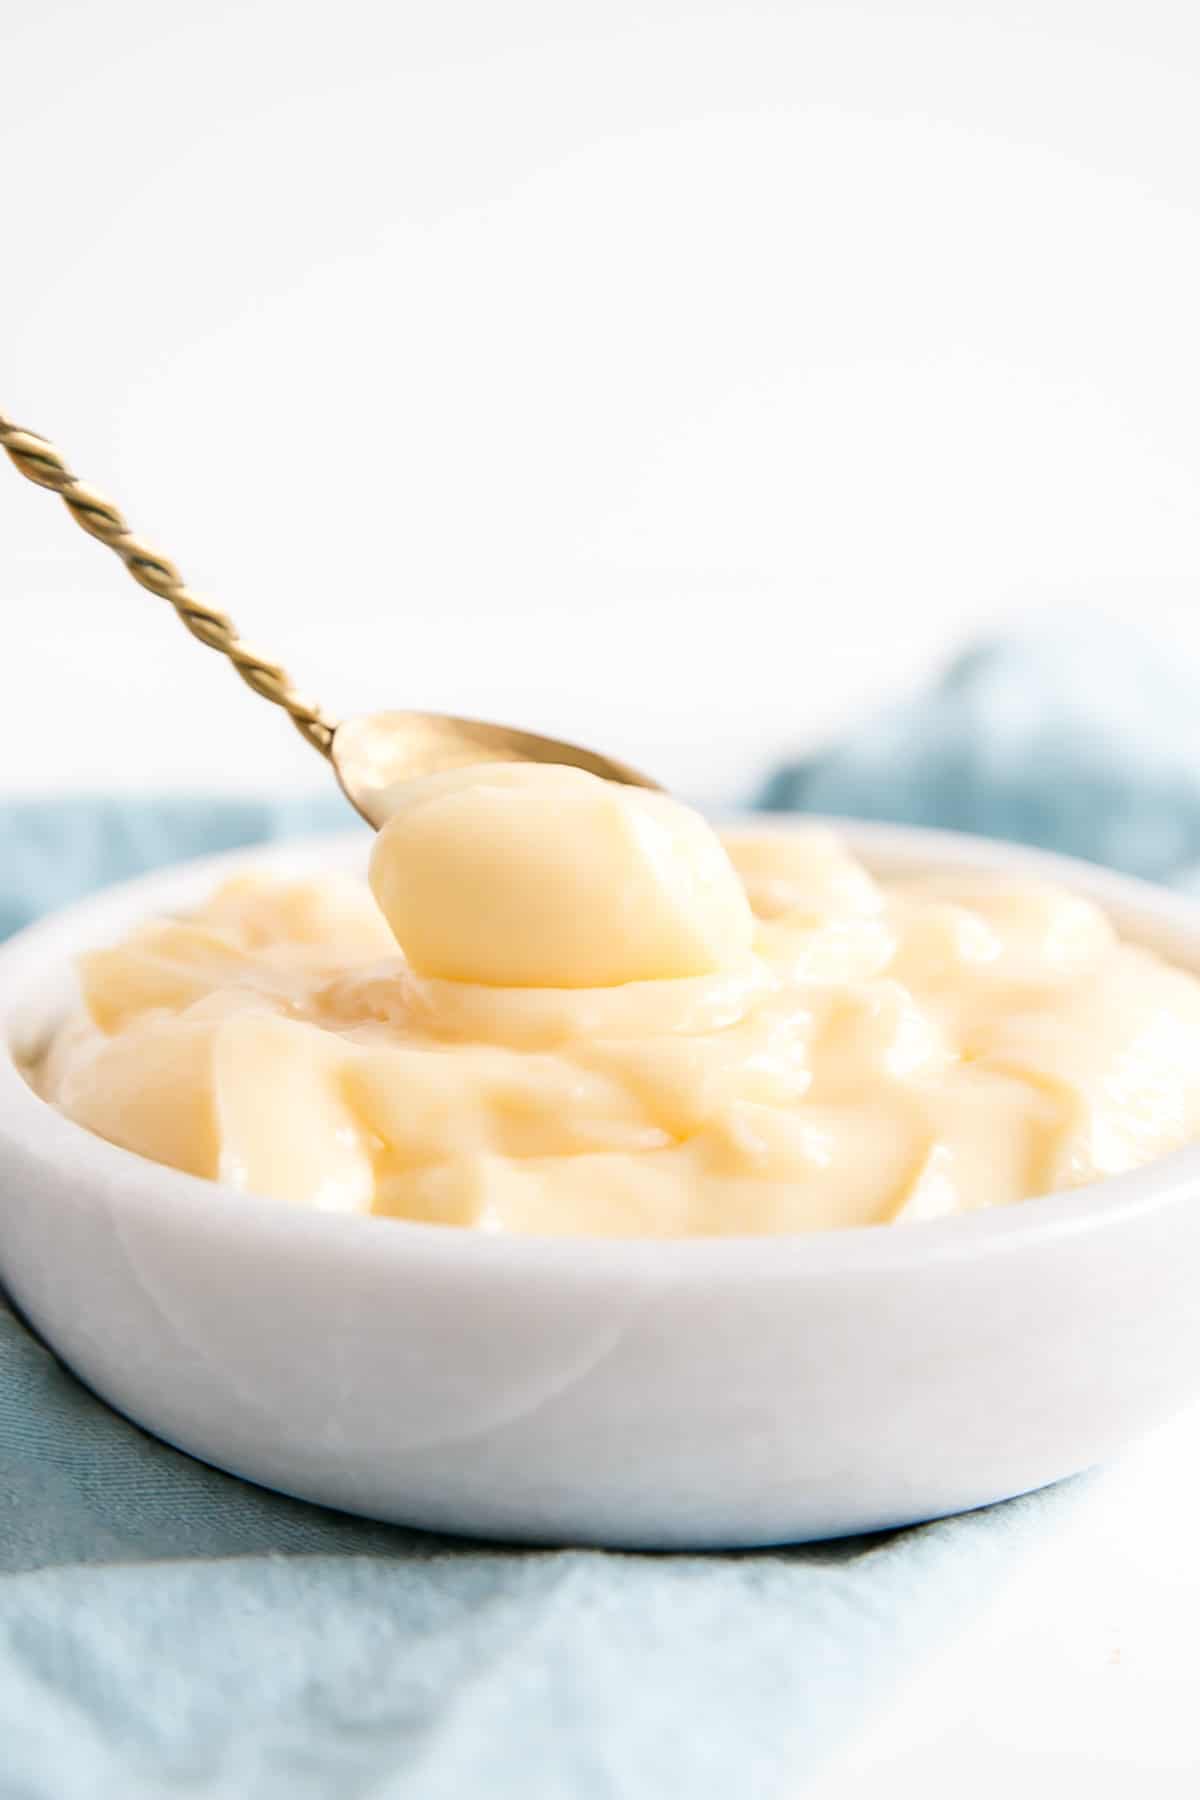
(1082, 1676)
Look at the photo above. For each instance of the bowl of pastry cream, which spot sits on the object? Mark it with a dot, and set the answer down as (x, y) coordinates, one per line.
(560, 1168)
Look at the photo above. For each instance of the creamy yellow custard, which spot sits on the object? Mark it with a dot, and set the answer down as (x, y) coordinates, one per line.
(569, 1007)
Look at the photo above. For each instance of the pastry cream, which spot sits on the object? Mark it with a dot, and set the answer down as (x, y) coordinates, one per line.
(575, 1010)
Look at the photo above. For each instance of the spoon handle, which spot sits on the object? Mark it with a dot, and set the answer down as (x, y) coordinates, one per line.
(40, 462)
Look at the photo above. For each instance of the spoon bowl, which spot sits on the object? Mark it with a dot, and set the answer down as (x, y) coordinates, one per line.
(376, 754)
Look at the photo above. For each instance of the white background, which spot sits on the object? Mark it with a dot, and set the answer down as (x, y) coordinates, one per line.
(684, 377)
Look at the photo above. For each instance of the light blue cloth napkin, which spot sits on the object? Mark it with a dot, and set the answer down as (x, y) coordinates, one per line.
(167, 1629)
(1080, 736)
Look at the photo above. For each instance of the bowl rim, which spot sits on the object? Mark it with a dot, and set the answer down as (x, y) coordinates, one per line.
(30, 1126)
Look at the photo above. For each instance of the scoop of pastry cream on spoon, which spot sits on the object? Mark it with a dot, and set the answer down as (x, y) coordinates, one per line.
(372, 756)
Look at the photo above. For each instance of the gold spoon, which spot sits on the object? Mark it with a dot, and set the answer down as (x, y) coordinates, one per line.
(371, 755)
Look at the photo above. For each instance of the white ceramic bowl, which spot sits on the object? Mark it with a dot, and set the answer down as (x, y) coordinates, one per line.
(696, 1393)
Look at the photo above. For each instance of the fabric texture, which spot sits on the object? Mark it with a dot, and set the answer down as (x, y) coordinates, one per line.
(165, 1628)
(1079, 737)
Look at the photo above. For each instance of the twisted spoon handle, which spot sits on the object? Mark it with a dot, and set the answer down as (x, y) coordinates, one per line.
(40, 462)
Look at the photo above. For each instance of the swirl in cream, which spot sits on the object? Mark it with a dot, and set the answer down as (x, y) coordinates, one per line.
(572, 1008)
